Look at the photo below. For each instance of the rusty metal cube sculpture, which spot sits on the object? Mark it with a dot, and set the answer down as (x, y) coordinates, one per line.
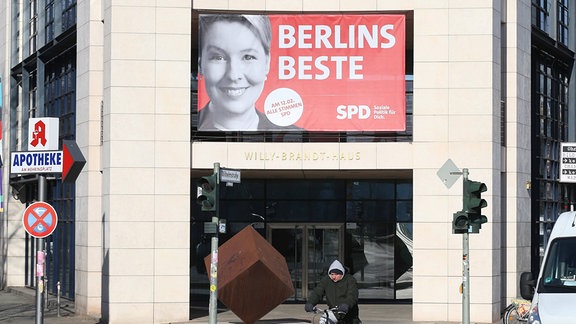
(253, 277)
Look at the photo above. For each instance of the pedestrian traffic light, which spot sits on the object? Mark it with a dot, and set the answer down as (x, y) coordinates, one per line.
(473, 204)
(208, 192)
(460, 223)
(476, 223)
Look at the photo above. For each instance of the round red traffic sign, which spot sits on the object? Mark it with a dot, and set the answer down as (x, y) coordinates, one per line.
(40, 219)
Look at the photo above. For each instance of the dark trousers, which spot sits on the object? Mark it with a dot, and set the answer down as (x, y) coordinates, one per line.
(347, 320)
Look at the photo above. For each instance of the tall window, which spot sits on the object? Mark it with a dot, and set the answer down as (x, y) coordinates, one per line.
(45, 87)
(49, 21)
(540, 14)
(550, 128)
(68, 14)
(32, 94)
(60, 87)
(563, 21)
(60, 101)
(33, 26)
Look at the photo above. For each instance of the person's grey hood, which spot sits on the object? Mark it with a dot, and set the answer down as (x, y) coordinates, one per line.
(336, 265)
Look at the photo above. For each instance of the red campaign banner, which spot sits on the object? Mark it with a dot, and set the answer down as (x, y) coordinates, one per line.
(301, 72)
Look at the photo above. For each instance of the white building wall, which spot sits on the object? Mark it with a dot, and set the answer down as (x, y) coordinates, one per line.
(457, 96)
(145, 200)
(132, 230)
(516, 212)
(12, 233)
(89, 96)
(456, 62)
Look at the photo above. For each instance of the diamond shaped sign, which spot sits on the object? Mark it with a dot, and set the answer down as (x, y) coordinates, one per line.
(449, 173)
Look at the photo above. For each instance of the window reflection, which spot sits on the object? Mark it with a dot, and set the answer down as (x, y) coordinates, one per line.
(375, 217)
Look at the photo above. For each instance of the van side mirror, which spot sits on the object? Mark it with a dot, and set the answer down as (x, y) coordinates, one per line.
(527, 285)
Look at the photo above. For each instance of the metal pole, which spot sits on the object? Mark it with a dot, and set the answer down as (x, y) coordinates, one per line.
(213, 311)
(58, 298)
(40, 257)
(465, 270)
(465, 281)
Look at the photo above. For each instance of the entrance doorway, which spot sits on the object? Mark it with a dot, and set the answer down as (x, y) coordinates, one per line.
(309, 249)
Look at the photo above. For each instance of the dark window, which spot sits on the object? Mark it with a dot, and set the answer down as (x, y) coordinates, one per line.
(49, 21)
(563, 19)
(378, 226)
(60, 101)
(60, 98)
(68, 14)
(540, 14)
(33, 26)
(550, 129)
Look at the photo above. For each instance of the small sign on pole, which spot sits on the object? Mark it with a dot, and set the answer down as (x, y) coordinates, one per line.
(229, 175)
(43, 134)
(448, 173)
(40, 219)
(568, 162)
(36, 162)
(73, 161)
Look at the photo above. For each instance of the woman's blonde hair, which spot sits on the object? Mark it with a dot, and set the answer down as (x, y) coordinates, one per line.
(258, 24)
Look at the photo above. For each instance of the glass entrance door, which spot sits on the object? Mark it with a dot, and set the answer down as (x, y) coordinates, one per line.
(309, 249)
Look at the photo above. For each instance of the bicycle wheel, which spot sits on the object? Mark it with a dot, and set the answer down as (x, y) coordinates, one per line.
(511, 316)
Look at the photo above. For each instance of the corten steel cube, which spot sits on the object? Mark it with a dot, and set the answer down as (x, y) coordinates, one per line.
(253, 277)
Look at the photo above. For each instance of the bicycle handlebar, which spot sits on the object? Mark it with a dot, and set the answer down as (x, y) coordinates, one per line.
(333, 309)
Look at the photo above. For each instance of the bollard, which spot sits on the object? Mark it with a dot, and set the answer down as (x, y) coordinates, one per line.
(45, 290)
(58, 299)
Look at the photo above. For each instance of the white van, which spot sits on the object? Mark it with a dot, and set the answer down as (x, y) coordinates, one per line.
(554, 296)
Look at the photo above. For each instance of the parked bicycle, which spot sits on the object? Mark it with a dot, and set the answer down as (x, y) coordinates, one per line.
(327, 315)
(517, 312)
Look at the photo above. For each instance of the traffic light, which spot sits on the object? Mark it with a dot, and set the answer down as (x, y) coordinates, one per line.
(460, 223)
(476, 223)
(473, 204)
(208, 192)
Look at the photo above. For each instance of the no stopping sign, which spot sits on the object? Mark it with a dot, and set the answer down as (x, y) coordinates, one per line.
(40, 219)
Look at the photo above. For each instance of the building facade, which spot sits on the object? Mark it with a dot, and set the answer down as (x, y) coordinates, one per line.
(487, 85)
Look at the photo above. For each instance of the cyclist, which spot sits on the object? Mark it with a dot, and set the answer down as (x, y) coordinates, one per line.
(341, 290)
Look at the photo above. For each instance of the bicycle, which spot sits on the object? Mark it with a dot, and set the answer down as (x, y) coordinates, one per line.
(517, 312)
(327, 315)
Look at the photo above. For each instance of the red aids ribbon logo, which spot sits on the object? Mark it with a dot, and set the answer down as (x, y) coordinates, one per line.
(39, 134)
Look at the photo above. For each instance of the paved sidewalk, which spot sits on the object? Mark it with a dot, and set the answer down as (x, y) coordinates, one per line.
(295, 314)
(18, 306)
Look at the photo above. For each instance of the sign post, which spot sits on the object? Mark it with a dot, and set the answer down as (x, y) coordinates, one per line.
(41, 257)
(40, 219)
(44, 134)
(465, 269)
(214, 255)
(209, 198)
(449, 173)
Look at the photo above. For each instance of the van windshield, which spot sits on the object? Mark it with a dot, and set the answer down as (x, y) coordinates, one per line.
(560, 268)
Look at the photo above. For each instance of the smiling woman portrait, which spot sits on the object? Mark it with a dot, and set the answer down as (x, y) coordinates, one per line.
(234, 62)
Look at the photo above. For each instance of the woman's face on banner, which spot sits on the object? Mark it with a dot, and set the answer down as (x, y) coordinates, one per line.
(234, 65)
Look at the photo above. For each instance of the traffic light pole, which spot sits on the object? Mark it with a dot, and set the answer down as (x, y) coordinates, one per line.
(465, 280)
(465, 268)
(213, 311)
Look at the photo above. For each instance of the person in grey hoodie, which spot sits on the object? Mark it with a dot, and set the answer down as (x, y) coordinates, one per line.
(340, 289)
